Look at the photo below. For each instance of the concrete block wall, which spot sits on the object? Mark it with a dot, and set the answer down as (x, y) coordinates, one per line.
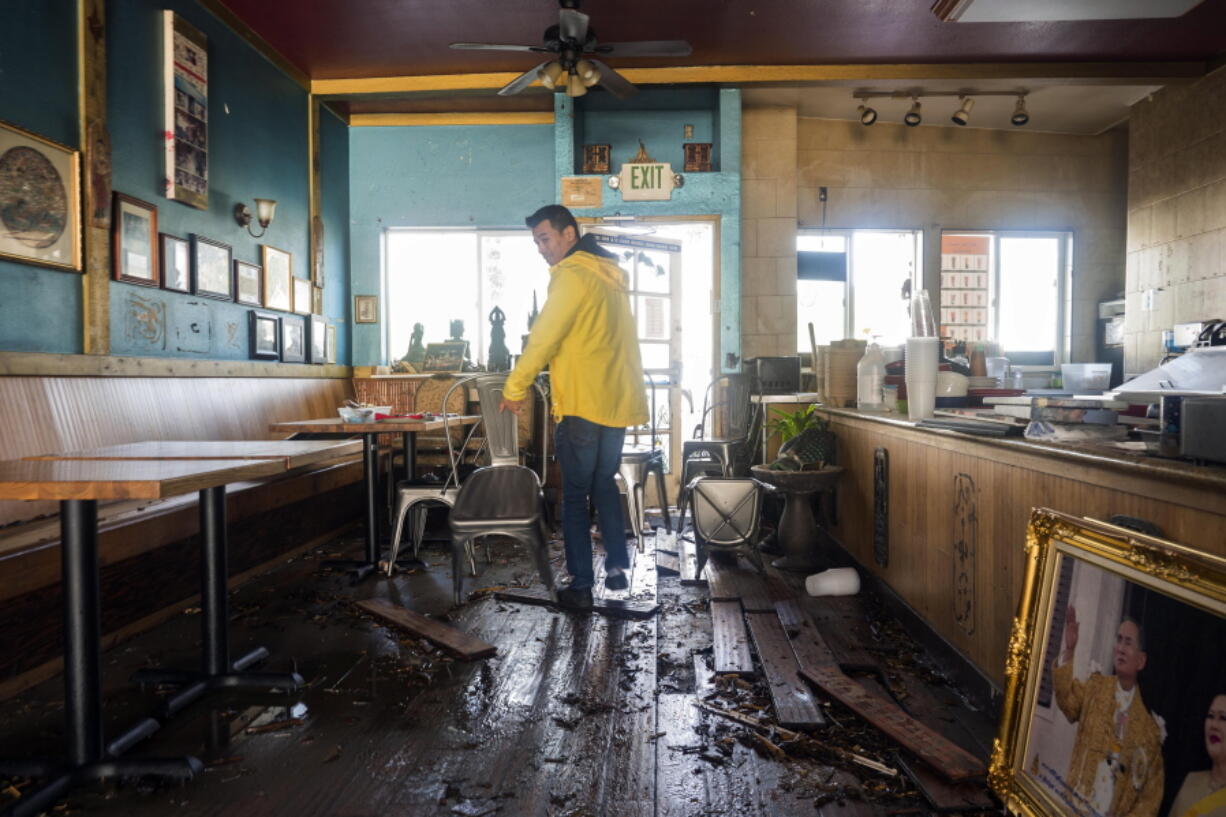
(1176, 215)
(929, 178)
(768, 231)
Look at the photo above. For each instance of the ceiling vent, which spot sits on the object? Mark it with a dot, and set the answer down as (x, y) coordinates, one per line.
(1051, 11)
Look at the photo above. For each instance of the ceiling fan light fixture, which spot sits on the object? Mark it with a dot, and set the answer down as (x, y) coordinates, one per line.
(1020, 116)
(963, 114)
(913, 116)
(575, 86)
(550, 74)
(867, 115)
(586, 70)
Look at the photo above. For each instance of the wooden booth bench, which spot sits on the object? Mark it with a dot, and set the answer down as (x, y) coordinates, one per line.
(148, 551)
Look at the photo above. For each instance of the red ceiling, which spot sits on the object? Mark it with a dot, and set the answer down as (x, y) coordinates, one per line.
(331, 39)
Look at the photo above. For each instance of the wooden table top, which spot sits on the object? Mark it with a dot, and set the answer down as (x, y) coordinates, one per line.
(292, 453)
(124, 479)
(334, 425)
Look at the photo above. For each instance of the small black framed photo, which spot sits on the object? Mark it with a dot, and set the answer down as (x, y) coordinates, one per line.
(247, 283)
(293, 339)
(264, 329)
(211, 276)
(174, 257)
(319, 335)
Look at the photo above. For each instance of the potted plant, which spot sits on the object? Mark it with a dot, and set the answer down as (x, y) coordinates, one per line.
(807, 441)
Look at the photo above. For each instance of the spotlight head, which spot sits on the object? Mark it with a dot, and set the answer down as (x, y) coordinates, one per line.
(1020, 117)
(963, 114)
(867, 115)
(913, 117)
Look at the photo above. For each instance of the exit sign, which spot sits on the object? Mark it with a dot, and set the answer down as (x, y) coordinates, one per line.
(646, 181)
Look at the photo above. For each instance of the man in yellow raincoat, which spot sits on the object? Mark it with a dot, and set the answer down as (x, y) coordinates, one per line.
(586, 334)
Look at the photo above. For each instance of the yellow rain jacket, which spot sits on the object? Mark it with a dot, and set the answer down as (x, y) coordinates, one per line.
(587, 335)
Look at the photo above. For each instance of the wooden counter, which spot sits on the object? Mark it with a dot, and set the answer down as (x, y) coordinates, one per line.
(958, 508)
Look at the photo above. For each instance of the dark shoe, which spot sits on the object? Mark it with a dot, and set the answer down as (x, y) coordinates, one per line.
(572, 599)
(615, 579)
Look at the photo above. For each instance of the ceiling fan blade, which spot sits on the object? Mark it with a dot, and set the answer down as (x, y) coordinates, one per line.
(614, 82)
(522, 81)
(572, 25)
(495, 47)
(646, 48)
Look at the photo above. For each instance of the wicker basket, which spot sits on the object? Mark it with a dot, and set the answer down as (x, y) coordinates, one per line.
(398, 392)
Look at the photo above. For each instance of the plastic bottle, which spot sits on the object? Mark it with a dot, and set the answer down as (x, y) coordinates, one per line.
(870, 377)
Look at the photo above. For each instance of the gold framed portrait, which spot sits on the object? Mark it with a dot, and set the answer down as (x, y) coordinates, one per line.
(40, 200)
(1115, 700)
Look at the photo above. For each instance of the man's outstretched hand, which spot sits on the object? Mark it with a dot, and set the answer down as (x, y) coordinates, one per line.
(513, 406)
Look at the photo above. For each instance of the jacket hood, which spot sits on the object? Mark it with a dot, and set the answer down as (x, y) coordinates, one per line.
(599, 261)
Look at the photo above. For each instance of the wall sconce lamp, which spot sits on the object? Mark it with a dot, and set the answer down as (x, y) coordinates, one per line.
(264, 210)
(966, 101)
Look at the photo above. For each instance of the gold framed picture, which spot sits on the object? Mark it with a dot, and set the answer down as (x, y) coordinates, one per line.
(302, 296)
(445, 357)
(1115, 700)
(278, 278)
(365, 308)
(40, 200)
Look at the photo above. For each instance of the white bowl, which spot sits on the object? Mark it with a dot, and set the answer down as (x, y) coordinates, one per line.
(952, 384)
(356, 415)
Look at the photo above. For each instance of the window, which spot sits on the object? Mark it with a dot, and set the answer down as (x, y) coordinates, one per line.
(1007, 288)
(436, 276)
(850, 284)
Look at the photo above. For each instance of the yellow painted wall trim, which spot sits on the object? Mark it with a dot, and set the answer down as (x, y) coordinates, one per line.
(369, 120)
(35, 364)
(1107, 72)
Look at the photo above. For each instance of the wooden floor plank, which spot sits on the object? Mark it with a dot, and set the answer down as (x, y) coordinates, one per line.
(794, 704)
(689, 562)
(729, 639)
(721, 581)
(681, 790)
(668, 563)
(456, 642)
(617, 608)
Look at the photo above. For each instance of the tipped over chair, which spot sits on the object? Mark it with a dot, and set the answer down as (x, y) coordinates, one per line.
(726, 516)
(723, 439)
(503, 498)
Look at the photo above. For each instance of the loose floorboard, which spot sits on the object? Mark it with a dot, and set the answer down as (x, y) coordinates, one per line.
(731, 640)
(794, 704)
(574, 715)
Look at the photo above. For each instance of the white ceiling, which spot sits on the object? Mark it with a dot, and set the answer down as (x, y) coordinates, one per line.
(1059, 108)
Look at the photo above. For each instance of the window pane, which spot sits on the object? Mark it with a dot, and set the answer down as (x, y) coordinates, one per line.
(1029, 294)
(431, 280)
(821, 303)
(818, 242)
(881, 263)
(512, 271)
(655, 355)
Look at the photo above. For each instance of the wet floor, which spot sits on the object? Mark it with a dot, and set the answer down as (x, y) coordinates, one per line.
(574, 716)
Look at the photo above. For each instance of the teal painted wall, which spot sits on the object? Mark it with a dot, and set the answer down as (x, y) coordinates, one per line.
(257, 147)
(40, 308)
(481, 176)
(334, 191)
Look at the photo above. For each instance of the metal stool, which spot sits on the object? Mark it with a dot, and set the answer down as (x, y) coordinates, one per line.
(637, 463)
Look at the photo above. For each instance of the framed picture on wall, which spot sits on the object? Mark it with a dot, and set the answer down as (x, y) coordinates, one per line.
(317, 300)
(134, 246)
(302, 296)
(293, 339)
(211, 276)
(330, 344)
(247, 283)
(445, 357)
(1115, 657)
(278, 272)
(264, 331)
(40, 199)
(318, 339)
(175, 261)
(185, 111)
(365, 308)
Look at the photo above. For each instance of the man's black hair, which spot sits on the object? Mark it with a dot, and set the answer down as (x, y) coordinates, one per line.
(1140, 631)
(558, 217)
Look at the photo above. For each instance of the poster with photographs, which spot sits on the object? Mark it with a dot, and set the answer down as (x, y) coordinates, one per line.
(186, 80)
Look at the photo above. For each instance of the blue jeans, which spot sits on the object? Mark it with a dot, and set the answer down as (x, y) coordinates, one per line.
(589, 455)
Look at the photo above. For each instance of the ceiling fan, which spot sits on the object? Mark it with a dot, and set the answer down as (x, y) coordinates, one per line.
(575, 66)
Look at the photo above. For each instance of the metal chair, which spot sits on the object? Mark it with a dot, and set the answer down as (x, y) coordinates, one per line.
(637, 463)
(726, 516)
(413, 500)
(728, 398)
(503, 498)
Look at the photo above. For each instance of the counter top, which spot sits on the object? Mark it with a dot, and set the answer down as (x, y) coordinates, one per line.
(1143, 465)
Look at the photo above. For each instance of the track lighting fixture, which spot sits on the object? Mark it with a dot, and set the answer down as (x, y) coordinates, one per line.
(913, 117)
(963, 114)
(867, 115)
(1020, 117)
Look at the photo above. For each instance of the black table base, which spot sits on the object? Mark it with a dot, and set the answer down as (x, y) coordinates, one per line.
(88, 759)
(217, 671)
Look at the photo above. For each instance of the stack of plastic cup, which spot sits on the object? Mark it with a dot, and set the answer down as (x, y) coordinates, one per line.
(922, 359)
